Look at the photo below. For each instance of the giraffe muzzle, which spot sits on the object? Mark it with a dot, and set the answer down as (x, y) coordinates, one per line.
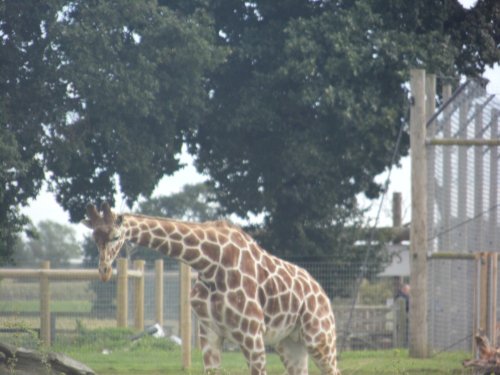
(105, 272)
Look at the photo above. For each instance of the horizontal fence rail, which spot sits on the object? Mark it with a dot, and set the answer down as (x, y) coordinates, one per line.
(60, 274)
(45, 275)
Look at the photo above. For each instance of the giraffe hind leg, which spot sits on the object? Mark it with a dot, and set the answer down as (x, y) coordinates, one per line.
(321, 345)
(327, 363)
(324, 355)
(294, 356)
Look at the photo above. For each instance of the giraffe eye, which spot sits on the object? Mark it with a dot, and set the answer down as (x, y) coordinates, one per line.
(115, 238)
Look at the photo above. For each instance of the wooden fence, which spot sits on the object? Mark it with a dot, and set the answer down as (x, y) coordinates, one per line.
(45, 274)
(373, 326)
(122, 274)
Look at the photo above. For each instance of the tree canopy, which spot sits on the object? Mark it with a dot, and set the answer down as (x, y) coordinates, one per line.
(193, 203)
(291, 107)
(306, 110)
(94, 92)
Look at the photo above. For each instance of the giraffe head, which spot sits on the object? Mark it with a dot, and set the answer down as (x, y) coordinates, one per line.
(108, 234)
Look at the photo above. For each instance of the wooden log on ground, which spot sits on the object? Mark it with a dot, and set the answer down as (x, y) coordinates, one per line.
(489, 358)
(22, 361)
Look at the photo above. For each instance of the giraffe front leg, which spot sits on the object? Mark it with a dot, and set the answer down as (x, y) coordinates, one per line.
(211, 345)
(254, 351)
(210, 342)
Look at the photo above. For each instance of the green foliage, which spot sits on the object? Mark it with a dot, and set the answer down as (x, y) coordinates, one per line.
(193, 203)
(290, 107)
(94, 91)
(136, 74)
(306, 109)
(109, 338)
(24, 336)
(15, 189)
(376, 293)
(117, 339)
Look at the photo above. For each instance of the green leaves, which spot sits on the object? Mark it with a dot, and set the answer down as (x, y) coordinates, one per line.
(306, 110)
(136, 70)
(291, 107)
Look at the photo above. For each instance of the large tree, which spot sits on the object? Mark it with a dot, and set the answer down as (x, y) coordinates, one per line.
(92, 93)
(24, 109)
(306, 110)
(297, 120)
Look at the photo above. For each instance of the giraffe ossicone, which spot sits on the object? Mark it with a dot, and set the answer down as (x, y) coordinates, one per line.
(242, 294)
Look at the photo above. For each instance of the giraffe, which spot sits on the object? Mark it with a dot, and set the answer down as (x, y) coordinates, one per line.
(242, 294)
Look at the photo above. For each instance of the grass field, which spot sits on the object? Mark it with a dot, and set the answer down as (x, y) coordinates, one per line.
(73, 306)
(147, 360)
(154, 357)
(110, 351)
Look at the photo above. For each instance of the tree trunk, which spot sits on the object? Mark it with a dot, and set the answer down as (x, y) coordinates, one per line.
(22, 361)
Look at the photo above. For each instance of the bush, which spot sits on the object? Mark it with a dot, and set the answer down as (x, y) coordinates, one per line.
(109, 338)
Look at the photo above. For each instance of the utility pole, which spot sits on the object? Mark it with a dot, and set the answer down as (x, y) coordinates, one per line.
(418, 232)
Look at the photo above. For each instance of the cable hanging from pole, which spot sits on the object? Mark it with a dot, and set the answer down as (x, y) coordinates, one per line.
(364, 265)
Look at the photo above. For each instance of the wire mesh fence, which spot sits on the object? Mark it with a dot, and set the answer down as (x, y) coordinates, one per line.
(463, 179)
(83, 308)
(451, 303)
(463, 219)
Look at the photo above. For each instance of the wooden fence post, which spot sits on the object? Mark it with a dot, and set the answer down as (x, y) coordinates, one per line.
(418, 232)
(493, 193)
(492, 298)
(446, 171)
(159, 291)
(485, 302)
(478, 180)
(122, 293)
(185, 314)
(45, 305)
(139, 296)
(430, 132)
(400, 324)
(397, 210)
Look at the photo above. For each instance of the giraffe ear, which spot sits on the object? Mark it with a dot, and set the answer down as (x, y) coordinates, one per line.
(107, 213)
(92, 214)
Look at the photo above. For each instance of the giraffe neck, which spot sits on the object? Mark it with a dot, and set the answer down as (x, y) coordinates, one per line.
(196, 244)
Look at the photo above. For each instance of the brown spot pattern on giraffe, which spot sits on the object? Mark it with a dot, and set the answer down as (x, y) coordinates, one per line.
(243, 292)
(159, 232)
(191, 240)
(212, 251)
(230, 256)
(233, 279)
